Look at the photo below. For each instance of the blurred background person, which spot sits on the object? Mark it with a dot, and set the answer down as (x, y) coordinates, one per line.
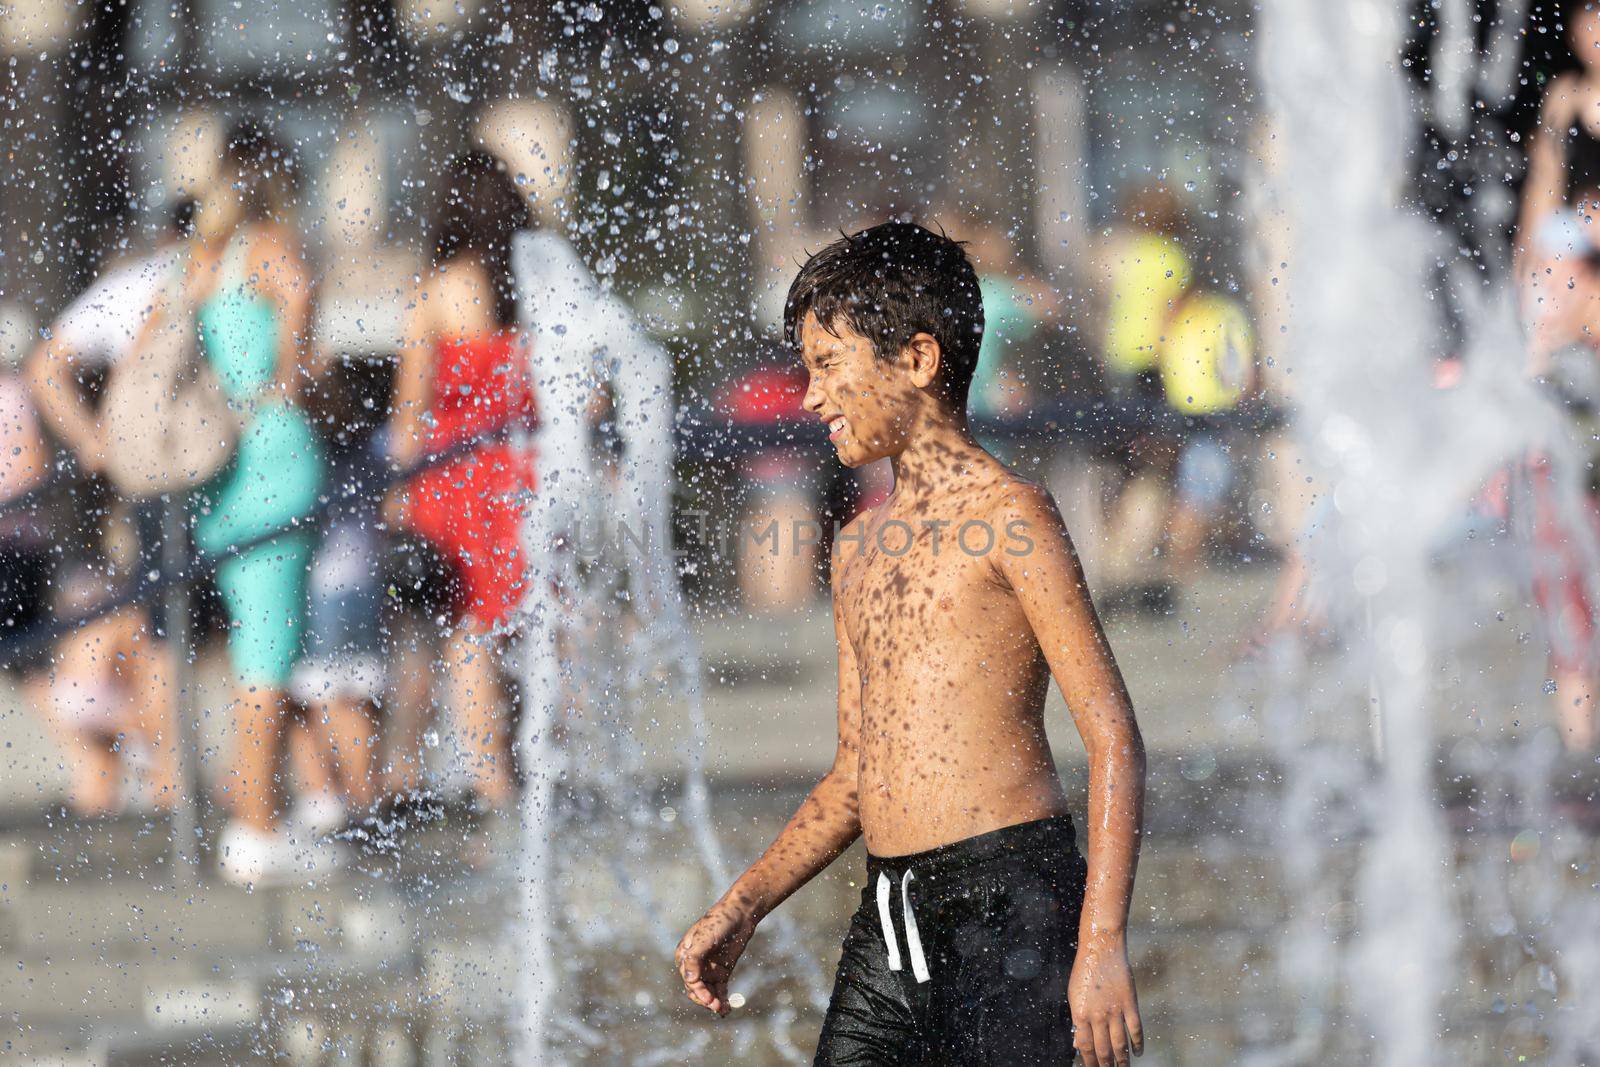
(1016, 304)
(463, 375)
(116, 732)
(776, 564)
(95, 332)
(1565, 594)
(108, 715)
(251, 291)
(1557, 262)
(340, 680)
(1285, 506)
(780, 565)
(1563, 172)
(1144, 272)
(25, 465)
(1207, 368)
(1563, 319)
(67, 373)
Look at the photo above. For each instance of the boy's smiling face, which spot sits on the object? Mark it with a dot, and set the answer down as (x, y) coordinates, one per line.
(868, 403)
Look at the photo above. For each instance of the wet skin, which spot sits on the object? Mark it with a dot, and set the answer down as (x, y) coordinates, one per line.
(954, 602)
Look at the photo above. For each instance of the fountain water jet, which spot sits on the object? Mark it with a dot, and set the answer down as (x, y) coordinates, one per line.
(584, 336)
(1400, 459)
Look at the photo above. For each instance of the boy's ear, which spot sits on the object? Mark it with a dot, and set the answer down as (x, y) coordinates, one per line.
(925, 355)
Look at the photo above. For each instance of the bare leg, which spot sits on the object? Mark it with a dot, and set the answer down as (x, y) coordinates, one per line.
(147, 671)
(1134, 530)
(96, 773)
(1574, 699)
(93, 769)
(308, 753)
(348, 737)
(258, 714)
(479, 715)
(406, 709)
(778, 573)
(1186, 535)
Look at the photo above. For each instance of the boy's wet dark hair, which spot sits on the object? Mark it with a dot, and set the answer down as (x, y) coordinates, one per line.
(890, 283)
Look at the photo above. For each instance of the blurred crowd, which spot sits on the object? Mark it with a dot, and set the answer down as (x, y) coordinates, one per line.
(1148, 394)
(362, 519)
(361, 523)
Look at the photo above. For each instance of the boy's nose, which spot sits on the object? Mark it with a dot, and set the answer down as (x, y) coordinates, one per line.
(812, 401)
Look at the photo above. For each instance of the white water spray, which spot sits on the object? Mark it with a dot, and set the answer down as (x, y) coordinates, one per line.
(583, 336)
(1399, 458)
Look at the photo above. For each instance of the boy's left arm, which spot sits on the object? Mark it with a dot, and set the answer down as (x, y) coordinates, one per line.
(1037, 559)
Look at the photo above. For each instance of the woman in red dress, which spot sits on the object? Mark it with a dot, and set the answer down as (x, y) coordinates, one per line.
(463, 375)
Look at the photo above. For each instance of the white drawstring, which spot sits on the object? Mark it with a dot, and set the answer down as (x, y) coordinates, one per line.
(919, 965)
(888, 923)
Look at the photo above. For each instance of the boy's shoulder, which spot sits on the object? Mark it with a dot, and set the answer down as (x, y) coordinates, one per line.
(1013, 496)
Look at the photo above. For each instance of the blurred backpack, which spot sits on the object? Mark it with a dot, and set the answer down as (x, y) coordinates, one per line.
(350, 400)
(168, 424)
(417, 576)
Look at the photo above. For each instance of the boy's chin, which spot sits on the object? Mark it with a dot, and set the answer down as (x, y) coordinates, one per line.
(852, 455)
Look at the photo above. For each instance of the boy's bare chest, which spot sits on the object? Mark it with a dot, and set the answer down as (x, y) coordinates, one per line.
(901, 592)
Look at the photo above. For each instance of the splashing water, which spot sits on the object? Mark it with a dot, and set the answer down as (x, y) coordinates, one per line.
(631, 645)
(1397, 461)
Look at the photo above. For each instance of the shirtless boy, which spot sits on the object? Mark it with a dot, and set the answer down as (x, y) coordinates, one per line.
(983, 936)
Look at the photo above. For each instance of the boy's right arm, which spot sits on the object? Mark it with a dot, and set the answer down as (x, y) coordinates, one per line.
(823, 827)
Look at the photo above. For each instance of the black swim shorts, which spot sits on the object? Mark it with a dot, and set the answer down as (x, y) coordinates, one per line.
(961, 955)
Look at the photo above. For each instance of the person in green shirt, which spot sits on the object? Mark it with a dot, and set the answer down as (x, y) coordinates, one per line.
(1016, 304)
(251, 289)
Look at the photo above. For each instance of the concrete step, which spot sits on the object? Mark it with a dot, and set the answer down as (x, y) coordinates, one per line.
(117, 921)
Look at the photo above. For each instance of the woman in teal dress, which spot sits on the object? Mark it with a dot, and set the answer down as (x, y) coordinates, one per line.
(252, 314)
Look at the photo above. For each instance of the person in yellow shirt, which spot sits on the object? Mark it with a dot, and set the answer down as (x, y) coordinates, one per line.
(1142, 274)
(1146, 273)
(1207, 363)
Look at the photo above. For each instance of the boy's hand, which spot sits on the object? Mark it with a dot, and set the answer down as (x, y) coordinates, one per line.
(1105, 1009)
(709, 950)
